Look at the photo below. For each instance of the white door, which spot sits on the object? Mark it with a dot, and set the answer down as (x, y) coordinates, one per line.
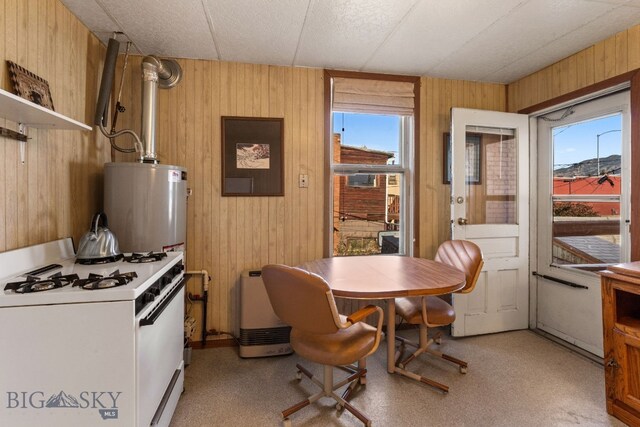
(583, 214)
(490, 206)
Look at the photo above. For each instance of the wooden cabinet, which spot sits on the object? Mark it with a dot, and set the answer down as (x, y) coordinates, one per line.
(621, 321)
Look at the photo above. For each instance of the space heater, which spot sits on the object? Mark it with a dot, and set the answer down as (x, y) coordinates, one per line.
(262, 333)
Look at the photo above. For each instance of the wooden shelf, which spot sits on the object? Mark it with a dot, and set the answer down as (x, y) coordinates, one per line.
(629, 325)
(19, 110)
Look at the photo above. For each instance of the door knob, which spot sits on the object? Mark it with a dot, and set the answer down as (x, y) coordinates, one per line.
(462, 221)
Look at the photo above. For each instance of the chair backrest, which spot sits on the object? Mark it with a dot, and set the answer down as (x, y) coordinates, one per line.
(464, 255)
(301, 299)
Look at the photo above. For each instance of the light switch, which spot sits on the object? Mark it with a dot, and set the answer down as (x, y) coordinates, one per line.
(303, 181)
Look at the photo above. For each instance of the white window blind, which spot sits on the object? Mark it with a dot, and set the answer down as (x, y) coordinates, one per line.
(373, 96)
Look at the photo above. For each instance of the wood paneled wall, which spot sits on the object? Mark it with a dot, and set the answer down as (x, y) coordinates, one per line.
(55, 192)
(608, 58)
(227, 235)
(59, 186)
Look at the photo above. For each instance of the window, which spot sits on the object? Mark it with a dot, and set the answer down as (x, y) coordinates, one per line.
(372, 133)
(369, 212)
(585, 195)
(362, 180)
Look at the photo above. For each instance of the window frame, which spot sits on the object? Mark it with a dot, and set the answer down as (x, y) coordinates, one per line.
(596, 107)
(409, 202)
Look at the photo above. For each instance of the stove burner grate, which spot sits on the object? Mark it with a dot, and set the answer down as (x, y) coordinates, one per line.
(97, 281)
(103, 260)
(140, 258)
(35, 284)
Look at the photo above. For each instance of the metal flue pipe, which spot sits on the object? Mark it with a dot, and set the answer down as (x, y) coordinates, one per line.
(163, 73)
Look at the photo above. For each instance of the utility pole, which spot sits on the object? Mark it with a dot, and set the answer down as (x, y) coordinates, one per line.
(598, 146)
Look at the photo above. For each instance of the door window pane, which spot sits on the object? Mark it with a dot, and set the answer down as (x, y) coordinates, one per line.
(587, 165)
(492, 175)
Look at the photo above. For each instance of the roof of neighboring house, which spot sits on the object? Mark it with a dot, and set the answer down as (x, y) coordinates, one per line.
(367, 150)
(610, 184)
(592, 248)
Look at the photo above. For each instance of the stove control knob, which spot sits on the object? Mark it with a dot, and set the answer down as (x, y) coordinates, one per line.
(165, 280)
(154, 291)
(149, 297)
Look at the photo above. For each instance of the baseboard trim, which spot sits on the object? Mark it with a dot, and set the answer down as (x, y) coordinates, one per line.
(227, 342)
(584, 353)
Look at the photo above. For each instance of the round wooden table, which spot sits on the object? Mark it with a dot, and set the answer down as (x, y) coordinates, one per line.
(386, 277)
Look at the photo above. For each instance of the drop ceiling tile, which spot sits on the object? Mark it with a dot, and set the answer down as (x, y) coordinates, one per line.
(94, 17)
(491, 40)
(587, 35)
(165, 27)
(91, 15)
(433, 30)
(344, 34)
(635, 3)
(535, 23)
(264, 32)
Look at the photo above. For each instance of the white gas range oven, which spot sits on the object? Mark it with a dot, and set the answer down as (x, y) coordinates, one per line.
(89, 345)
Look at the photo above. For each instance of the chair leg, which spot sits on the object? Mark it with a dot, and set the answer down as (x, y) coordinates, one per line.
(424, 343)
(423, 347)
(424, 380)
(328, 388)
(362, 365)
(461, 363)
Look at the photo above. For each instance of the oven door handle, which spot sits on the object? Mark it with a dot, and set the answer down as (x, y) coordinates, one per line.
(155, 314)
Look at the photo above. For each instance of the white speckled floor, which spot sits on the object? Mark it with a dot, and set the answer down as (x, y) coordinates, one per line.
(515, 379)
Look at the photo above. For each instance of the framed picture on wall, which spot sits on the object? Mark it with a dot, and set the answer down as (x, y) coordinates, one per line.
(252, 156)
(30, 86)
(473, 153)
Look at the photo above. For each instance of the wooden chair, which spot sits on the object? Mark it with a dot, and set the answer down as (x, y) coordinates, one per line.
(431, 311)
(304, 301)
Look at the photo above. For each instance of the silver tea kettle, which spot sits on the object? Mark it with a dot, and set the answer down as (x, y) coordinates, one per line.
(99, 241)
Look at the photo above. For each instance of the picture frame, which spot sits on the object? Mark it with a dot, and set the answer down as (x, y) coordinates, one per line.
(29, 86)
(252, 156)
(474, 152)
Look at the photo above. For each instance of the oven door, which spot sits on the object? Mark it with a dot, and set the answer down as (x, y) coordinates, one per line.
(159, 352)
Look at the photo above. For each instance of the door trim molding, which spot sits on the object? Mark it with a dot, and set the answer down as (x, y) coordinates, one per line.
(633, 78)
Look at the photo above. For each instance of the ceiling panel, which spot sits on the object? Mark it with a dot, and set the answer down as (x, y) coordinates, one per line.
(165, 27)
(435, 29)
(344, 34)
(91, 15)
(569, 44)
(489, 40)
(517, 34)
(264, 32)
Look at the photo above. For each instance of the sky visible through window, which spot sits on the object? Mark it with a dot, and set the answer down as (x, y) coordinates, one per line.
(579, 141)
(572, 143)
(374, 131)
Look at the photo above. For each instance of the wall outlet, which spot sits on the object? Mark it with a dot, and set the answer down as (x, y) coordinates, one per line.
(303, 181)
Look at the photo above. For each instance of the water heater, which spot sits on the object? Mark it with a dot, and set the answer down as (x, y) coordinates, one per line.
(146, 205)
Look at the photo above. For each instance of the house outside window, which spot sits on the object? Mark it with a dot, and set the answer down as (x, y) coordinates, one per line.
(371, 162)
(368, 210)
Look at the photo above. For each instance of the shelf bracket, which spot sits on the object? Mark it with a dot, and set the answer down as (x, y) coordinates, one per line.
(22, 131)
(8, 133)
(20, 136)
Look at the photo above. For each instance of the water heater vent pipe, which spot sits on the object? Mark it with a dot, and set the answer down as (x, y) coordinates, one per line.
(156, 72)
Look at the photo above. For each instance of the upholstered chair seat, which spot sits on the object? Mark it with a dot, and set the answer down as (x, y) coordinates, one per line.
(304, 301)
